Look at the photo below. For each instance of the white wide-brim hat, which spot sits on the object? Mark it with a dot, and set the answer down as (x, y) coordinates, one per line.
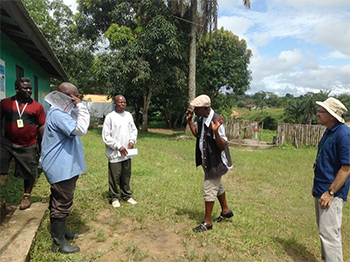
(334, 107)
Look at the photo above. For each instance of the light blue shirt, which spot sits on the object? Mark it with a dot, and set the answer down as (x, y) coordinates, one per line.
(62, 153)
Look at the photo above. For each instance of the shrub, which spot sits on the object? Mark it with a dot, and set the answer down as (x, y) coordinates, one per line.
(270, 122)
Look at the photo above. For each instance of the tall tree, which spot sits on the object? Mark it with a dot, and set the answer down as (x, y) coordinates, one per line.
(55, 20)
(147, 55)
(223, 64)
(273, 100)
(202, 23)
(144, 40)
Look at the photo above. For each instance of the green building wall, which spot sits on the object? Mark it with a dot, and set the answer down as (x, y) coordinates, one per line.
(13, 56)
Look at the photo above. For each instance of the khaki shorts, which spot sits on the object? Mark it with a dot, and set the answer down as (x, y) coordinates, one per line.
(212, 188)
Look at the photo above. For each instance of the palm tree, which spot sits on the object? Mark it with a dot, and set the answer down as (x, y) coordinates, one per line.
(206, 22)
(294, 111)
(309, 108)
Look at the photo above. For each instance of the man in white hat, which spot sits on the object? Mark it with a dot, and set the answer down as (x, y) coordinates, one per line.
(331, 183)
(213, 154)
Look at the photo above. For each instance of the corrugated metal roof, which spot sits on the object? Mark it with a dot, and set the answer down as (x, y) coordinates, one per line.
(17, 25)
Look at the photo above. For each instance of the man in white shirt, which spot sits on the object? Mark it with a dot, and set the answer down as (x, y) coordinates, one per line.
(119, 133)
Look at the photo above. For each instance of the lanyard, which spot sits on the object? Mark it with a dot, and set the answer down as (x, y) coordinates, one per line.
(20, 113)
(319, 153)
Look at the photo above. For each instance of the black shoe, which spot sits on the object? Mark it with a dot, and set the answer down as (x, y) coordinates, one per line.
(222, 217)
(202, 227)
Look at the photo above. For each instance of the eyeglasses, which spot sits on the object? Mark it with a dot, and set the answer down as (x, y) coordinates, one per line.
(321, 111)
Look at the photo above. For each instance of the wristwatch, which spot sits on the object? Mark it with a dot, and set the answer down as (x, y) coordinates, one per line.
(331, 192)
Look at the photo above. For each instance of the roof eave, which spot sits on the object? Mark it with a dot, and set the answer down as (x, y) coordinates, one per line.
(21, 16)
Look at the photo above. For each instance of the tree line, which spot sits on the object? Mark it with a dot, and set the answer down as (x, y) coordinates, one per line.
(144, 50)
(297, 110)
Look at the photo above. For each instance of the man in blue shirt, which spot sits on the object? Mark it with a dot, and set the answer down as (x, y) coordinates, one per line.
(63, 161)
(331, 181)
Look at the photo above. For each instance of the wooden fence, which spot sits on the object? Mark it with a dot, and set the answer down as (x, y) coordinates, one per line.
(299, 135)
(236, 130)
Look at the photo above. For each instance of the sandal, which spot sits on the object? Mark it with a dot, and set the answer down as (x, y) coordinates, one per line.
(202, 227)
(222, 217)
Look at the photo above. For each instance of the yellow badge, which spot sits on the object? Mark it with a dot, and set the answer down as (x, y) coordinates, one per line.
(20, 123)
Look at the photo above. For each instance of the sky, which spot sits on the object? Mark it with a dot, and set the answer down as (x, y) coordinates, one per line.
(298, 46)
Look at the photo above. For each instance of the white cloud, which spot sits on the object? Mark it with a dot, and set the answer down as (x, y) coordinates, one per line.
(314, 80)
(267, 67)
(237, 25)
(282, 75)
(336, 55)
(335, 34)
(261, 39)
(229, 4)
(333, 4)
(289, 59)
(319, 31)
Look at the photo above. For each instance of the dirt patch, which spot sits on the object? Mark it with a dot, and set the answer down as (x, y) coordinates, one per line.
(127, 240)
(164, 131)
(109, 239)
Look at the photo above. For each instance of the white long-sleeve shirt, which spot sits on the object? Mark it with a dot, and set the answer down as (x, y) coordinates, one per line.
(81, 114)
(118, 130)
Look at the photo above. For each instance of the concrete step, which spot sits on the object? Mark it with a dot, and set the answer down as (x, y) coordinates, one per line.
(18, 233)
(251, 144)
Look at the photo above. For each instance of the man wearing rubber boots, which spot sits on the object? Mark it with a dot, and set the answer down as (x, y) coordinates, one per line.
(63, 161)
(213, 154)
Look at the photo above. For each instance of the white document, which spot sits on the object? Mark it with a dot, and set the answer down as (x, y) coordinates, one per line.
(60, 101)
(131, 152)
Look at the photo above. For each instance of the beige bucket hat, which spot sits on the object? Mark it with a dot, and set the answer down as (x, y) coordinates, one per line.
(334, 107)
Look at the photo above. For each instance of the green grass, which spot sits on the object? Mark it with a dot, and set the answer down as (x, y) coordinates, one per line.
(269, 192)
(266, 135)
(247, 114)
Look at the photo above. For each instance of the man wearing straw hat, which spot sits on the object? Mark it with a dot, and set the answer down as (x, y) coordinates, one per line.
(331, 183)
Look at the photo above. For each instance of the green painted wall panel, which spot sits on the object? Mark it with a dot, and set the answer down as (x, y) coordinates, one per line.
(13, 55)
